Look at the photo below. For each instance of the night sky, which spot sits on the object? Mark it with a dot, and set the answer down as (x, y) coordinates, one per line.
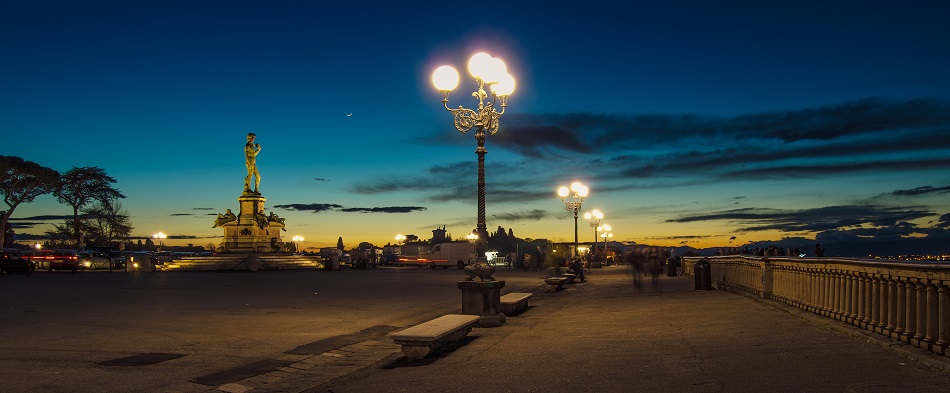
(693, 123)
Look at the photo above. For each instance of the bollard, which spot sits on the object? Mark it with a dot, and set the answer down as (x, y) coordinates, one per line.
(703, 275)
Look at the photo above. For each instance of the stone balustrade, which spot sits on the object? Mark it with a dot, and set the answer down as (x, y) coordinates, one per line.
(909, 302)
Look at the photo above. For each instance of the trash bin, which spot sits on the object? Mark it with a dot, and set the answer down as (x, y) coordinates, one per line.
(670, 267)
(703, 275)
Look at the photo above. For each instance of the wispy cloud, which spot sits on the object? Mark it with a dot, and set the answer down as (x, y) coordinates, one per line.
(42, 218)
(389, 209)
(326, 207)
(530, 215)
(811, 220)
(921, 191)
(310, 207)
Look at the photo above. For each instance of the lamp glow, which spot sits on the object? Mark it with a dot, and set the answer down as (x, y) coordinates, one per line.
(445, 78)
(505, 85)
(480, 65)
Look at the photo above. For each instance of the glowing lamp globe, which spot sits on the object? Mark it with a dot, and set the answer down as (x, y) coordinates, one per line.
(563, 191)
(480, 65)
(607, 228)
(505, 85)
(494, 70)
(445, 78)
(598, 214)
(587, 217)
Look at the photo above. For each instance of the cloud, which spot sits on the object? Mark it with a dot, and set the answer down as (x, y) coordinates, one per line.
(319, 179)
(921, 191)
(811, 220)
(531, 215)
(390, 209)
(42, 218)
(181, 214)
(534, 135)
(310, 207)
(327, 207)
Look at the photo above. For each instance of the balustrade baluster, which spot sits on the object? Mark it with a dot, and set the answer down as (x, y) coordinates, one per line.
(900, 308)
(943, 294)
(854, 295)
(910, 305)
(861, 301)
(875, 302)
(891, 303)
(921, 306)
(933, 312)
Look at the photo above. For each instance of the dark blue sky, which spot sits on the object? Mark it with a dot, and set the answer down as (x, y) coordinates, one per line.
(691, 121)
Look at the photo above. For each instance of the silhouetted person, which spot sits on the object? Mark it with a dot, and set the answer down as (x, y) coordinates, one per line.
(578, 269)
(819, 252)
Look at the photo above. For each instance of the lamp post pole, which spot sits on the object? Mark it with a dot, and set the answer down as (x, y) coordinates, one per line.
(573, 204)
(489, 71)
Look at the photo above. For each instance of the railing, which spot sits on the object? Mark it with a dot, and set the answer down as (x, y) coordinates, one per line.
(909, 302)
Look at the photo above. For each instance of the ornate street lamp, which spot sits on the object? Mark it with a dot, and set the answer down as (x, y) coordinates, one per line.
(297, 239)
(606, 235)
(489, 71)
(161, 240)
(593, 218)
(473, 238)
(573, 204)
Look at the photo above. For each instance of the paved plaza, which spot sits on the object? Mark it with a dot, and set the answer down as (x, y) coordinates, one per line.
(326, 331)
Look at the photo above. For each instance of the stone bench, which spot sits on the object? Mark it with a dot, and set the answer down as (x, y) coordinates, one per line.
(556, 283)
(570, 277)
(420, 340)
(514, 303)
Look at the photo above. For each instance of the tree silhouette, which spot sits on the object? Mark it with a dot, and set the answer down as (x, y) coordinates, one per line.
(22, 181)
(339, 243)
(109, 221)
(81, 186)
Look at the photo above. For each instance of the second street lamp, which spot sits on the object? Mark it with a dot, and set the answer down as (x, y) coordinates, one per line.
(593, 218)
(573, 204)
(489, 71)
(297, 239)
(161, 240)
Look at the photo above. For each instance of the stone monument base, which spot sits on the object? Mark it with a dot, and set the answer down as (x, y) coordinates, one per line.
(482, 298)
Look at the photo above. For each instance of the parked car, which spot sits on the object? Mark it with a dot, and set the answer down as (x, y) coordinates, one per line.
(40, 258)
(64, 260)
(94, 260)
(13, 263)
(141, 260)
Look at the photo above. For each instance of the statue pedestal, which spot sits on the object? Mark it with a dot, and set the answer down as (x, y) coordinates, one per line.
(252, 231)
(482, 298)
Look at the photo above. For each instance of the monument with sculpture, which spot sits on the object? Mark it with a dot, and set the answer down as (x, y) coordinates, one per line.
(251, 230)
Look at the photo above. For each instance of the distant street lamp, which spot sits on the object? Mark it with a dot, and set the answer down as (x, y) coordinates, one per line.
(473, 238)
(297, 239)
(400, 239)
(489, 71)
(161, 240)
(606, 235)
(574, 204)
(593, 218)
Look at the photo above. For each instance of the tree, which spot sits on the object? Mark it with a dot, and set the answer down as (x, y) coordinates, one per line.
(8, 232)
(22, 181)
(339, 243)
(109, 221)
(80, 186)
